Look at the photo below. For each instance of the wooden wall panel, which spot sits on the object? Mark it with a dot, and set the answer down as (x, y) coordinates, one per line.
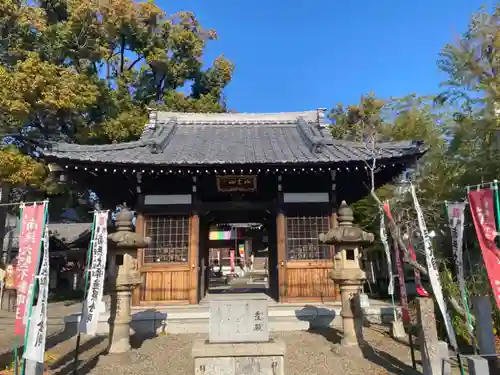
(166, 286)
(310, 281)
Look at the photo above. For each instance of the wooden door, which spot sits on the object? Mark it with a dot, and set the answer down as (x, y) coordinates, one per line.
(305, 264)
(167, 264)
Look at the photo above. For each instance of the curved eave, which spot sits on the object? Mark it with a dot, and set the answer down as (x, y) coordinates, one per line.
(392, 155)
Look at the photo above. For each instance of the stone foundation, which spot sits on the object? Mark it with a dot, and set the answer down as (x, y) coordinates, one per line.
(266, 358)
(191, 319)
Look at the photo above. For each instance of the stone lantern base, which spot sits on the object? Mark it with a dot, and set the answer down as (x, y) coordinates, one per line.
(352, 319)
(119, 320)
(347, 273)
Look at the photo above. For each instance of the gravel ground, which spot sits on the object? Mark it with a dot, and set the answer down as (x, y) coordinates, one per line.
(307, 353)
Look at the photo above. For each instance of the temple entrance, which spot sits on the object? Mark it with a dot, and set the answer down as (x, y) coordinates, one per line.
(238, 253)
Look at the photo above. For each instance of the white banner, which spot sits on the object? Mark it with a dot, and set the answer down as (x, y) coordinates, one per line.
(433, 271)
(456, 219)
(90, 313)
(35, 347)
(383, 238)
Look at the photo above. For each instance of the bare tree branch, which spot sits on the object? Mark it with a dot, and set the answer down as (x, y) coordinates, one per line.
(395, 229)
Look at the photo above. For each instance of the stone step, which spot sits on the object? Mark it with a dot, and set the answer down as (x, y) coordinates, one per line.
(195, 318)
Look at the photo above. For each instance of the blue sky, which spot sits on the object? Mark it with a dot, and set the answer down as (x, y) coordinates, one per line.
(300, 55)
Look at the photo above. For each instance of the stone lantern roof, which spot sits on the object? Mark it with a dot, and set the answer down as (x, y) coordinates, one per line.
(346, 232)
(125, 236)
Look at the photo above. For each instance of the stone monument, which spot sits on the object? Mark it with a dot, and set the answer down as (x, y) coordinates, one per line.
(482, 309)
(435, 354)
(347, 272)
(124, 276)
(238, 341)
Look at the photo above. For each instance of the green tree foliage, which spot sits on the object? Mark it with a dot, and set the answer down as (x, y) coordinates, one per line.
(396, 119)
(461, 127)
(357, 122)
(86, 71)
(473, 85)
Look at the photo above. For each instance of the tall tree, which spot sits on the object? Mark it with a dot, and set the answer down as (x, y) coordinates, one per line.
(87, 71)
(407, 118)
(473, 86)
(101, 64)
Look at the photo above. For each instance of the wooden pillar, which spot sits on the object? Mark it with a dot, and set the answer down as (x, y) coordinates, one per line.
(194, 242)
(281, 244)
(139, 228)
(333, 217)
(280, 235)
(194, 245)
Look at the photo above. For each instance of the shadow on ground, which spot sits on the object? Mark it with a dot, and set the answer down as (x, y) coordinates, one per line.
(317, 317)
(374, 355)
(66, 364)
(147, 325)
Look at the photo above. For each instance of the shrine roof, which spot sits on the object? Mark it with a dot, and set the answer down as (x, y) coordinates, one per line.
(67, 234)
(191, 139)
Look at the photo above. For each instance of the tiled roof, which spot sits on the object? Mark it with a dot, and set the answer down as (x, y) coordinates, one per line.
(70, 232)
(206, 139)
(64, 232)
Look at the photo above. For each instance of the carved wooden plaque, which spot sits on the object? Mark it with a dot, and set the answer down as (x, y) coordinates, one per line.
(236, 183)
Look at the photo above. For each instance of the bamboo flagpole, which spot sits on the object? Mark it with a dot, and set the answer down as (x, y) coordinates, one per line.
(383, 238)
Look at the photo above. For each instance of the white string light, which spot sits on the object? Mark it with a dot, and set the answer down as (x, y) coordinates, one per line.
(200, 171)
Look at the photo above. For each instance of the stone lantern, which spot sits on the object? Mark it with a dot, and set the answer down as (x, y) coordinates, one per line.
(124, 276)
(347, 272)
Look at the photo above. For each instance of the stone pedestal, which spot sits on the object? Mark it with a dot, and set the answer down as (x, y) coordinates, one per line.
(481, 307)
(352, 320)
(398, 329)
(482, 310)
(266, 358)
(119, 321)
(428, 337)
(238, 342)
(477, 365)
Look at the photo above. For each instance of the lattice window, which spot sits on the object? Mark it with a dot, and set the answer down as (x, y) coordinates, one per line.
(302, 237)
(169, 239)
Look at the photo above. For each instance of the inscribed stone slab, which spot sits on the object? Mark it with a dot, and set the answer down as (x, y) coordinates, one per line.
(214, 366)
(238, 321)
(259, 365)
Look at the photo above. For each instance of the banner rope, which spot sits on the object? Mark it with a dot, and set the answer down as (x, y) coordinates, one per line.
(23, 204)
